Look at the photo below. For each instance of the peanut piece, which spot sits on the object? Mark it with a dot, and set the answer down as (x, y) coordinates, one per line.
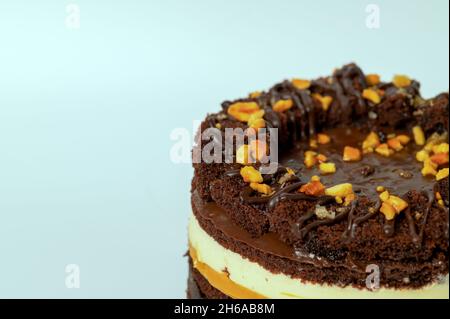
(351, 154)
(419, 135)
(251, 175)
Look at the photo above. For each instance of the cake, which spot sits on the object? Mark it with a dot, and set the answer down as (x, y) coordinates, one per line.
(355, 204)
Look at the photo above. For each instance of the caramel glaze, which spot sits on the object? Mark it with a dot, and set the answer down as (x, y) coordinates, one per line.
(267, 243)
(398, 173)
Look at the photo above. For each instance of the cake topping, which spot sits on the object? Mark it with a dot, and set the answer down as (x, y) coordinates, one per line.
(323, 139)
(351, 154)
(401, 81)
(313, 188)
(301, 84)
(241, 111)
(325, 101)
(419, 135)
(283, 105)
(327, 168)
(372, 95)
(373, 79)
(261, 188)
(251, 175)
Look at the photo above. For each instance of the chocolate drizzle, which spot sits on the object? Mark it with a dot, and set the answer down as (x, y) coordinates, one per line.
(300, 123)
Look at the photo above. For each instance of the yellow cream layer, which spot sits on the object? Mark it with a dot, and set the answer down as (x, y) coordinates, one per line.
(240, 278)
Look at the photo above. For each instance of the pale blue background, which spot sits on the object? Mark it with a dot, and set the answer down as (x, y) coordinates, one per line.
(85, 118)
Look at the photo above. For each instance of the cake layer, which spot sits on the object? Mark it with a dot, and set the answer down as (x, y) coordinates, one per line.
(238, 277)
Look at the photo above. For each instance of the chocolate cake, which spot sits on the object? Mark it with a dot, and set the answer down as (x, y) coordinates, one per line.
(336, 188)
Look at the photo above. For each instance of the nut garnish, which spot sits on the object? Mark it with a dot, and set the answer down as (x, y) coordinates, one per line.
(313, 188)
(261, 188)
(392, 205)
(401, 81)
(419, 136)
(325, 101)
(371, 95)
(283, 105)
(370, 143)
(255, 95)
(323, 213)
(372, 79)
(351, 154)
(383, 149)
(340, 190)
(310, 159)
(256, 120)
(241, 111)
(251, 175)
(301, 84)
(327, 168)
(443, 173)
(323, 139)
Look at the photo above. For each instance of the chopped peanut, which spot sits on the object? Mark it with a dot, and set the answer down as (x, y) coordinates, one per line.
(242, 155)
(371, 95)
(419, 135)
(398, 203)
(380, 189)
(256, 124)
(349, 199)
(371, 142)
(313, 143)
(338, 199)
(241, 111)
(258, 149)
(443, 173)
(441, 148)
(422, 155)
(325, 101)
(321, 158)
(383, 149)
(438, 196)
(388, 211)
(401, 81)
(327, 168)
(251, 175)
(440, 158)
(255, 95)
(323, 138)
(315, 178)
(310, 159)
(372, 79)
(395, 144)
(283, 105)
(428, 170)
(340, 190)
(261, 188)
(314, 188)
(301, 84)
(351, 154)
(384, 196)
(429, 162)
(256, 120)
(404, 139)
